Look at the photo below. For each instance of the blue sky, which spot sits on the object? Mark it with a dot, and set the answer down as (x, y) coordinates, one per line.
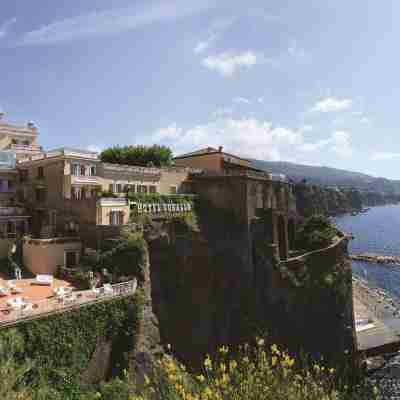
(311, 82)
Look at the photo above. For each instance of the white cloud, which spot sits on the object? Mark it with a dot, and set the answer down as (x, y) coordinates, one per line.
(113, 21)
(241, 100)
(5, 26)
(332, 104)
(171, 132)
(339, 143)
(260, 100)
(379, 156)
(229, 62)
(217, 28)
(365, 120)
(247, 137)
(202, 46)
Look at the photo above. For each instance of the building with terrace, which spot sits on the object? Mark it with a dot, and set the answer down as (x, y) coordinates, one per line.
(22, 141)
(212, 159)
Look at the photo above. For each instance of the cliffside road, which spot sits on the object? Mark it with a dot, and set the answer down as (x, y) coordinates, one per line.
(377, 320)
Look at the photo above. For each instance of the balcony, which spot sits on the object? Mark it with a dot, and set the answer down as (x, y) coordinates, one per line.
(12, 211)
(26, 148)
(113, 201)
(87, 180)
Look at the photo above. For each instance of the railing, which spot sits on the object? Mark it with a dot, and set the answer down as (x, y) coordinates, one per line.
(10, 211)
(113, 201)
(46, 307)
(26, 147)
(85, 179)
(245, 173)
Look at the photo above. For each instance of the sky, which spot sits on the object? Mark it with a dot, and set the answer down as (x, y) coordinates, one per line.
(313, 82)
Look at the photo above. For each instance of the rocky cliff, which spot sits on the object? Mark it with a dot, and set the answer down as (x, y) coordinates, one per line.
(313, 199)
(211, 287)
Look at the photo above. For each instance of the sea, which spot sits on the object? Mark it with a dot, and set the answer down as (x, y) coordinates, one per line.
(376, 231)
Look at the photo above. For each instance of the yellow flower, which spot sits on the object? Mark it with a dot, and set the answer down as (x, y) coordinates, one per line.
(274, 360)
(275, 350)
(200, 378)
(223, 350)
(232, 364)
(222, 367)
(260, 342)
(208, 363)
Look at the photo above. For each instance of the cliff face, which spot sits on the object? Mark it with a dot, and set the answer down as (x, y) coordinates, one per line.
(312, 199)
(210, 288)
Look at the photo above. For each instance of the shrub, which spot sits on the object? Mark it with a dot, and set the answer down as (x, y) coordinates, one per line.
(150, 156)
(317, 232)
(251, 374)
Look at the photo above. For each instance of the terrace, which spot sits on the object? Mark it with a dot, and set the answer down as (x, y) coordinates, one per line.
(26, 300)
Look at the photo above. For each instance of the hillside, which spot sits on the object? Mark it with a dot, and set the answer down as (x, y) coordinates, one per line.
(330, 176)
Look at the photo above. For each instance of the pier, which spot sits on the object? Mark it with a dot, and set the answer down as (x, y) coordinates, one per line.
(375, 258)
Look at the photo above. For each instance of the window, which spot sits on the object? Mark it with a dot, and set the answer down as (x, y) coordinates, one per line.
(14, 141)
(75, 170)
(26, 142)
(172, 190)
(40, 172)
(152, 189)
(116, 218)
(71, 259)
(92, 171)
(111, 188)
(40, 194)
(76, 193)
(23, 175)
(142, 189)
(120, 188)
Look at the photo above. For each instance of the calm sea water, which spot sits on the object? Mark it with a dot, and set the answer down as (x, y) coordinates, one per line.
(377, 231)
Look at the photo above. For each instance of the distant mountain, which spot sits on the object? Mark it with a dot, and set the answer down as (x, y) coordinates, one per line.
(329, 176)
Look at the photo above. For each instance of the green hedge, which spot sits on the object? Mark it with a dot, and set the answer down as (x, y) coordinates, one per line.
(61, 346)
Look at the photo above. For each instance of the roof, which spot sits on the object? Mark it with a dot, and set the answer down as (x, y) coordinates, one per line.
(206, 151)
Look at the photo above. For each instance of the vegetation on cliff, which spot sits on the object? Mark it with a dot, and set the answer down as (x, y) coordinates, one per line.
(255, 372)
(317, 232)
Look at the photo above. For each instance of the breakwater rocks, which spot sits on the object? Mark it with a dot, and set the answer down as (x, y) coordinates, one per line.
(375, 258)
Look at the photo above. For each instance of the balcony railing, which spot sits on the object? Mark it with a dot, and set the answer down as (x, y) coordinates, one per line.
(245, 173)
(34, 148)
(10, 211)
(85, 180)
(78, 299)
(113, 201)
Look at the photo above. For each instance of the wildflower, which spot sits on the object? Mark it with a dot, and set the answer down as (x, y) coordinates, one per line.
(222, 367)
(200, 378)
(274, 360)
(275, 350)
(260, 342)
(223, 350)
(232, 364)
(208, 363)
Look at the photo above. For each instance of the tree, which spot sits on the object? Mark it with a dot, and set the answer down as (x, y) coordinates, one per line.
(144, 156)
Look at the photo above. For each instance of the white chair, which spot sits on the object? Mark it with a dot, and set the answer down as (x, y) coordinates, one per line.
(108, 289)
(45, 280)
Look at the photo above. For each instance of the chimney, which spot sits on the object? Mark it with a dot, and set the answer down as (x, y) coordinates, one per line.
(220, 148)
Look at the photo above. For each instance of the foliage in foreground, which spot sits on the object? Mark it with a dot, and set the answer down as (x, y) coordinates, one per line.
(254, 374)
